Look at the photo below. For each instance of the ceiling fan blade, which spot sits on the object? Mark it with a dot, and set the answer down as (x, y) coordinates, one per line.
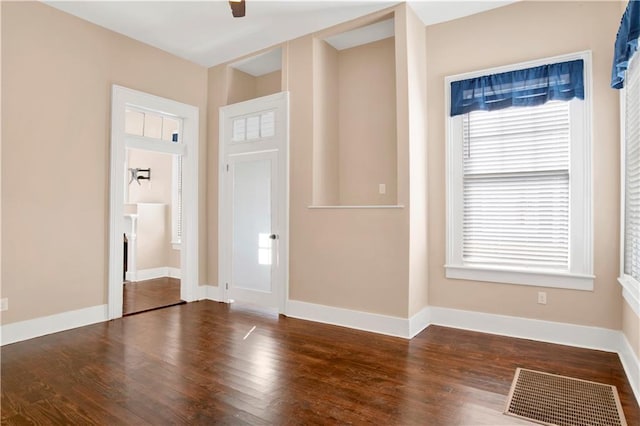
(237, 8)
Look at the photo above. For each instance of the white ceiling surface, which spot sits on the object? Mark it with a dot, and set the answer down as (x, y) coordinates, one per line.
(204, 32)
(261, 64)
(362, 35)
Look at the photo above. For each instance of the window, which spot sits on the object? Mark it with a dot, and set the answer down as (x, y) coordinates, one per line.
(518, 180)
(630, 259)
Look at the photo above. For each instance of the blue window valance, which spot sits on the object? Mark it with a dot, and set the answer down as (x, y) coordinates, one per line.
(626, 43)
(526, 87)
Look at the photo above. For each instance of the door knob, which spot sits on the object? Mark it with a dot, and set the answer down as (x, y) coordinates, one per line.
(273, 236)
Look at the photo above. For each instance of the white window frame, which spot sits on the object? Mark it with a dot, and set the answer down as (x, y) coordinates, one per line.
(176, 217)
(580, 274)
(630, 286)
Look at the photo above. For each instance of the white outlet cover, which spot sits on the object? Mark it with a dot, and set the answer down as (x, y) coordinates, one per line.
(4, 304)
(382, 188)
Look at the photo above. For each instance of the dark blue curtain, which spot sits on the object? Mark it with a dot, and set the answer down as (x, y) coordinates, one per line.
(527, 87)
(626, 43)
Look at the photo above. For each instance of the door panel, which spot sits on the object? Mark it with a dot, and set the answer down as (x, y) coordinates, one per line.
(252, 224)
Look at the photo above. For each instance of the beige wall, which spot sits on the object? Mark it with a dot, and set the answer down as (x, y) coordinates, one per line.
(416, 95)
(348, 258)
(268, 84)
(326, 144)
(57, 73)
(367, 123)
(515, 33)
(241, 86)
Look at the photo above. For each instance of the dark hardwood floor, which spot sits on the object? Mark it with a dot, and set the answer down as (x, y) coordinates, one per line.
(142, 296)
(198, 364)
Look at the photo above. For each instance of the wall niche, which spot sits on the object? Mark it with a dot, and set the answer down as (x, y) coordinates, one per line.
(254, 77)
(355, 135)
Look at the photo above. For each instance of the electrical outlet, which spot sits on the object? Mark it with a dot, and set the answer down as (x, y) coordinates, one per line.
(382, 188)
(4, 304)
(542, 297)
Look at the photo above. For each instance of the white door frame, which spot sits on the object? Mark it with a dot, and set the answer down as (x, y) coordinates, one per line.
(281, 146)
(122, 98)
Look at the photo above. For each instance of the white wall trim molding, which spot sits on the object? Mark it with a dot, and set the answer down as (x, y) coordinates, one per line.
(174, 272)
(631, 364)
(527, 328)
(24, 330)
(153, 273)
(365, 321)
(419, 322)
(210, 292)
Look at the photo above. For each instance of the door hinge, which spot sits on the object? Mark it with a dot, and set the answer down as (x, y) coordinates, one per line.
(227, 167)
(226, 286)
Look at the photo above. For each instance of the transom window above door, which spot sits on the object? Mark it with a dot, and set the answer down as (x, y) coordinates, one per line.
(151, 125)
(253, 127)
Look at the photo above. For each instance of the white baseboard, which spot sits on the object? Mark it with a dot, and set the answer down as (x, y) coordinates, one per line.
(631, 365)
(382, 324)
(173, 272)
(24, 330)
(526, 328)
(153, 273)
(419, 322)
(209, 292)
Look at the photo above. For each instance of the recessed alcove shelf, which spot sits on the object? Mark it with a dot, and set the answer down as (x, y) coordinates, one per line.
(354, 117)
(255, 76)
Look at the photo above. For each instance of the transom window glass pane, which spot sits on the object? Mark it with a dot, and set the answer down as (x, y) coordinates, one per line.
(150, 125)
(254, 127)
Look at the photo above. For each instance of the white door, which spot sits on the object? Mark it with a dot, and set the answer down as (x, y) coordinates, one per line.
(253, 201)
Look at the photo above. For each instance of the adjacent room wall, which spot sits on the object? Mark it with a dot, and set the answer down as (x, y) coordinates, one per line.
(57, 72)
(515, 33)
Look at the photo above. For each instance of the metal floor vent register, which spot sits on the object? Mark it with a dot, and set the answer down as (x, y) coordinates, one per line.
(550, 399)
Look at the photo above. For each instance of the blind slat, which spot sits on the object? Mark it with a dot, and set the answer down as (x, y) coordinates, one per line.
(516, 187)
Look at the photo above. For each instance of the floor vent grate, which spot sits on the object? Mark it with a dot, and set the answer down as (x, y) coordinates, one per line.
(550, 399)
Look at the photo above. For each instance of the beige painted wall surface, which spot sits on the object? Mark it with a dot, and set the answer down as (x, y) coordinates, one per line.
(353, 259)
(268, 84)
(416, 100)
(242, 86)
(631, 327)
(216, 97)
(515, 33)
(326, 173)
(367, 123)
(57, 73)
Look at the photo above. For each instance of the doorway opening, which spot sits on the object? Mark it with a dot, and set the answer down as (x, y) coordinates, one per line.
(153, 209)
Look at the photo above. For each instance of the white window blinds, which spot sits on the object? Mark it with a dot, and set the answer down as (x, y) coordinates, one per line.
(632, 172)
(516, 187)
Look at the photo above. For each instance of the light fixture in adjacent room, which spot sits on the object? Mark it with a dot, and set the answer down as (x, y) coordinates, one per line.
(237, 8)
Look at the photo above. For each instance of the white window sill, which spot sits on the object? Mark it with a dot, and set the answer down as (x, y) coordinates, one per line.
(631, 292)
(521, 277)
(176, 246)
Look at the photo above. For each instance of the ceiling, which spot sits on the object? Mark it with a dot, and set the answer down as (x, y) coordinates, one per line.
(204, 32)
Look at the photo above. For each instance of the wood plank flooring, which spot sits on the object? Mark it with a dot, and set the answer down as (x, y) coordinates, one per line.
(142, 296)
(198, 364)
